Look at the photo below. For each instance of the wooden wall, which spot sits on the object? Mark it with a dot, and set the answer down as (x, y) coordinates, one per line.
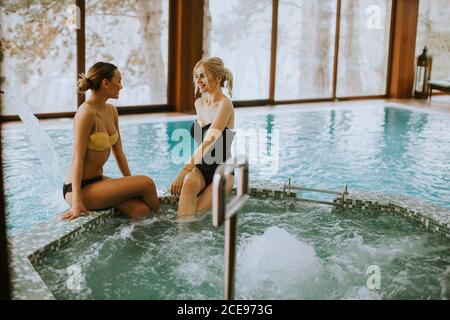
(185, 50)
(403, 49)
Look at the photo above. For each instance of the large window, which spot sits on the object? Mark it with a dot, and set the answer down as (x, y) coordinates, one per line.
(433, 31)
(133, 35)
(240, 33)
(305, 49)
(39, 56)
(40, 51)
(40, 48)
(363, 47)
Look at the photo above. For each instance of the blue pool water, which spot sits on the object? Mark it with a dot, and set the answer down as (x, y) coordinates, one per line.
(389, 150)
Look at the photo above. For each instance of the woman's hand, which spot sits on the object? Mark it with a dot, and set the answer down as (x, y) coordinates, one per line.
(177, 184)
(175, 188)
(74, 212)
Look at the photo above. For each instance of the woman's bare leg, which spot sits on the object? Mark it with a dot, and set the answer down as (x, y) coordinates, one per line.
(134, 208)
(204, 200)
(110, 193)
(192, 185)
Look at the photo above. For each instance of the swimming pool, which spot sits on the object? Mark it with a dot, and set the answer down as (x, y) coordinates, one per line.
(300, 251)
(391, 150)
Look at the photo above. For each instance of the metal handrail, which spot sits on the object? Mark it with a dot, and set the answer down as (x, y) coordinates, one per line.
(343, 194)
(227, 212)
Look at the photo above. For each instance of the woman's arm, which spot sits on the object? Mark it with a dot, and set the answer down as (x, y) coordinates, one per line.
(118, 148)
(82, 123)
(223, 115)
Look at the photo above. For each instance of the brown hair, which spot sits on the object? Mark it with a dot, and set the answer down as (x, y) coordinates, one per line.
(217, 68)
(95, 75)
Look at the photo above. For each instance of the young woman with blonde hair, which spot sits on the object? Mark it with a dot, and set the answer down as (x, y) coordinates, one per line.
(213, 133)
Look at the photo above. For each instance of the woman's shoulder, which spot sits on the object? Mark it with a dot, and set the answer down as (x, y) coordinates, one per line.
(85, 112)
(85, 109)
(226, 103)
(109, 105)
(200, 102)
(113, 109)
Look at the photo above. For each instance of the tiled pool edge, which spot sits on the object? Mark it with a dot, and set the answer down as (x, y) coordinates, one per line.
(27, 248)
(30, 246)
(433, 218)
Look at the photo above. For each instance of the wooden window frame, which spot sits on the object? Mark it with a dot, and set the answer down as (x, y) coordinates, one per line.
(186, 48)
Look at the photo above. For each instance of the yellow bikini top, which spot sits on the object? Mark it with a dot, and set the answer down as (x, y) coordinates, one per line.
(100, 141)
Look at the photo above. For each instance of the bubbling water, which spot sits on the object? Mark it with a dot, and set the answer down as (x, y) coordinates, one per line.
(295, 251)
(275, 264)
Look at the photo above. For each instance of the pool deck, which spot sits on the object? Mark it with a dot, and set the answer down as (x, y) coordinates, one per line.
(440, 103)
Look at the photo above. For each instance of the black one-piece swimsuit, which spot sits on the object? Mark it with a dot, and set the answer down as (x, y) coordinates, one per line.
(209, 161)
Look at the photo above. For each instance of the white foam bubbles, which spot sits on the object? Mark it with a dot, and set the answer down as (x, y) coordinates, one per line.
(275, 264)
(126, 231)
(146, 221)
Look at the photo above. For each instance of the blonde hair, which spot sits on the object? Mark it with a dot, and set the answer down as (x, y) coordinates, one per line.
(95, 75)
(217, 68)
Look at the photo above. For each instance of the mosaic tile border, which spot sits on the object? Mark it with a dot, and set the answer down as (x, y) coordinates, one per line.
(31, 246)
(258, 193)
(34, 244)
(433, 218)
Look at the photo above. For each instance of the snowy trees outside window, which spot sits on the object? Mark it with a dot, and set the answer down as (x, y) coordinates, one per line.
(305, 49)
(132, 34)
(39, 56)
(240, 33)
(363, 47)
(39, 49)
